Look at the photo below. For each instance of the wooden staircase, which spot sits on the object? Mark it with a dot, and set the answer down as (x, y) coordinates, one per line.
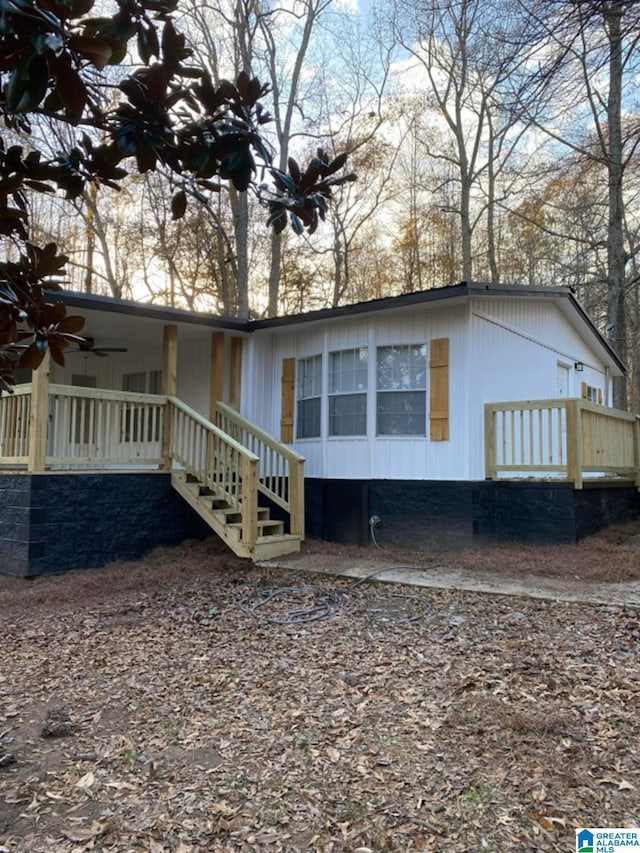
(226, 521)
(226, 468)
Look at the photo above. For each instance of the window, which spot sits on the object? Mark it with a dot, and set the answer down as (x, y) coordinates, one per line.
(22, 375)
(142, 383)
(309, 397)
(134, 382)
(135, 416)
(401, 403)
(590, 393)
(348, 377)
(155, 382)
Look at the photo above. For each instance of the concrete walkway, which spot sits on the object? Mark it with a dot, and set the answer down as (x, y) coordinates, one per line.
(530, 586)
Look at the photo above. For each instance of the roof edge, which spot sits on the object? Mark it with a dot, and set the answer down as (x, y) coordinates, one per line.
(96, 302)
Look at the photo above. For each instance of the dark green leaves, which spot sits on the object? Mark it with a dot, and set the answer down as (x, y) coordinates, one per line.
(303, 196)
(178, 204)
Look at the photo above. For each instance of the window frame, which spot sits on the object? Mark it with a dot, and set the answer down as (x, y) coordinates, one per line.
(333, 395)
(303, 399)
(413, 389)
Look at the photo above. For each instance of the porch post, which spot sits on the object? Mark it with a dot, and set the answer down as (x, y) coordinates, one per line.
(489, 443)
(574, 441)
(169, 388)
(249, 502)
(296, 496)
(236, 373)
(216, 373)
(39, 416)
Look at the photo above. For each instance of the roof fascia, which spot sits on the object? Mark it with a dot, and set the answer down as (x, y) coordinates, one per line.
(386, 303)
(92, 301)
(85, 301)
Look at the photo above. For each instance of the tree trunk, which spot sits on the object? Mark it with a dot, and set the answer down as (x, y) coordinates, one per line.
(91, 239)
(239, 203)
(616, 261)
(274, 273)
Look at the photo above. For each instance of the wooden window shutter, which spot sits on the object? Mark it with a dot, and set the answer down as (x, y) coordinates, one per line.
(439, 390)
(600, 396)
(584, 390)
(288, 399)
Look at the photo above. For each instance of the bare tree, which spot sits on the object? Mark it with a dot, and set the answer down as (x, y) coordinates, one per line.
(586, 58)
(466, 71)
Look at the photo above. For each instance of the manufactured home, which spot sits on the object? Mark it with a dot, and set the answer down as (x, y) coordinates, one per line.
(446, 417)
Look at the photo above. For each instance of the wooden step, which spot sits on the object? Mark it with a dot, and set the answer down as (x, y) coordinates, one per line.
(234, 516)
(271, 547)
(266, 528)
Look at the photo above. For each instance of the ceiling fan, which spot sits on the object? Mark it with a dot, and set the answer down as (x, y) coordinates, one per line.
(88, 346)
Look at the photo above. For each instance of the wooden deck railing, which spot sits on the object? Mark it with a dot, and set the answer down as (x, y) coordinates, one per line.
(46, 427)
(91, 427)
(15, 411)
(565, 438)
(281, 470)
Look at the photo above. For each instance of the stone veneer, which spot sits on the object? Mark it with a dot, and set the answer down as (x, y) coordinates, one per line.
(54, 522)
(457, 514)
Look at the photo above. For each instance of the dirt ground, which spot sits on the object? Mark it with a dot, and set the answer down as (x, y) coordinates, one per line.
(192, 702)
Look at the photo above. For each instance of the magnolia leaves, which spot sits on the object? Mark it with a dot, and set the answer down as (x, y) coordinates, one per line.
(29, 324)
(44, 55)
(303, 196)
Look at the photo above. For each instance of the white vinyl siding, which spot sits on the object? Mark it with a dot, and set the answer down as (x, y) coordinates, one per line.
(489, 360)
(401, 403)
(348, 380)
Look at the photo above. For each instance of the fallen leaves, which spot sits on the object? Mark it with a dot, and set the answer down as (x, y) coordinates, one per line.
(488, 723)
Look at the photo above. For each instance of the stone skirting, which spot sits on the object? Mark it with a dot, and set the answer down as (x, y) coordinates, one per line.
(457, 514)
(55, 522)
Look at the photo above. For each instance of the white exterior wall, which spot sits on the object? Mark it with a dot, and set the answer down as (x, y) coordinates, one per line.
(108, 371)
(389, 457)
(518, 346)
(500, 349)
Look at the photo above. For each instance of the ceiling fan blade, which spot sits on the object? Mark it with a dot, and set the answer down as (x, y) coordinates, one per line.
(101, 352)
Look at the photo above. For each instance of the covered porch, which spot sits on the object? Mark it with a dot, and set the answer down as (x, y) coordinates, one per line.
(247, 486)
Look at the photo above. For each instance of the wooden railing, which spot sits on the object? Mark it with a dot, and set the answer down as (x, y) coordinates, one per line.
(218, 462)
(45, 426)
(91, 427)
(281, 470)
(565, 438)
(15, 410)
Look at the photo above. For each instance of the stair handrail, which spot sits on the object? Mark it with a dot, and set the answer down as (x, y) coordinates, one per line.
(281, 470)
(207, 424)
(220, 462)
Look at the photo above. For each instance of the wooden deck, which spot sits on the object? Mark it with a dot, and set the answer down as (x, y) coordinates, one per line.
(230, 472)
(567, 438)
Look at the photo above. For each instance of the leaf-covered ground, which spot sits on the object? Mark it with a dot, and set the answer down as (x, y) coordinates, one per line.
(183, 704)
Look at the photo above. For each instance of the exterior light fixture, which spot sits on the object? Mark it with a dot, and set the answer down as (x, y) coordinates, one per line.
(579, 366)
